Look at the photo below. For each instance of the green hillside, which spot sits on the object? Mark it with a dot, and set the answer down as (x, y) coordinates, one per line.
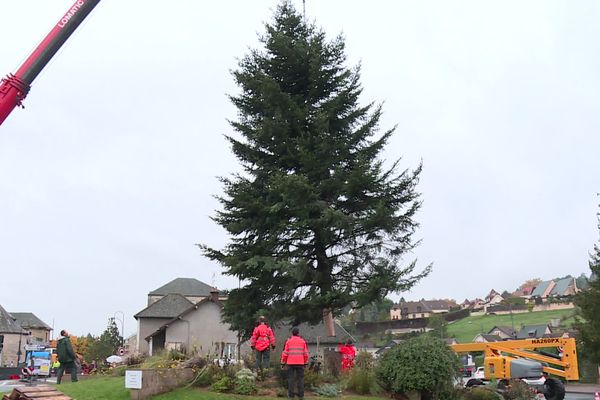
(466, 329)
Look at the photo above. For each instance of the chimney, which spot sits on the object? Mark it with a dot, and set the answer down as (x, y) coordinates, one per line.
(214, 294)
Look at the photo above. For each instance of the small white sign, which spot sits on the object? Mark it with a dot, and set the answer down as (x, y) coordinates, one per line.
(133, 379)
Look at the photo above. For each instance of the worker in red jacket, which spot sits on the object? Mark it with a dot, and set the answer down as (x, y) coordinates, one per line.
(295, 357)
(348, 353)
(262, 341)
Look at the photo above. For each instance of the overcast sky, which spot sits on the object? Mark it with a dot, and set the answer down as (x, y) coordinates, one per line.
(107, 176)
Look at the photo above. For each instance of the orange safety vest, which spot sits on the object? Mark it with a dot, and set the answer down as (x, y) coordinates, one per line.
(295, 352)
(262, 337)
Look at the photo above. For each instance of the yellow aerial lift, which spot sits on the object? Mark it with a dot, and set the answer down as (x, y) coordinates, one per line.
(527, 361)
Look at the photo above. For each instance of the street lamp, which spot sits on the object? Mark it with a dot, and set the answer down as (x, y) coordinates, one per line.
(122, 321)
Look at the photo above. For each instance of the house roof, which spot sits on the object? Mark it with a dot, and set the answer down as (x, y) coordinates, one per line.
(561, 286)
(505, 329)
(169, 306)
(528, 331)
(540, 288)
(184, 286)
(189, 309)
(437, 304)
(8, 323)
(491, 338)
(312, 333)
(30, 320)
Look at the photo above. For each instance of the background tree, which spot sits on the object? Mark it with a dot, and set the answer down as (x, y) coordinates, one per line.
(105, 345)
(530, 283)
(438, 326)
(316, 221)
(589, 303)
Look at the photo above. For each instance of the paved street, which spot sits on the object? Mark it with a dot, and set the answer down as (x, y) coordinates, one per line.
(577, 396)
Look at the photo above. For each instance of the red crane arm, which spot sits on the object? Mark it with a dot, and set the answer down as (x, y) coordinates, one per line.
(15, 87)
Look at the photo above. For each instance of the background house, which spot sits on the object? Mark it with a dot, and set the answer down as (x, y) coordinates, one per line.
(534, 331)
(166, 303)
(420, 309)
(504, 332)
(11, 335)
(197, 330)
(38, 331)
(543, 289)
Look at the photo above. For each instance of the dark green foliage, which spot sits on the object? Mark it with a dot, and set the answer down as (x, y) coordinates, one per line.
(316, 220)
(422, 364)
(105, 345)
(589, 303)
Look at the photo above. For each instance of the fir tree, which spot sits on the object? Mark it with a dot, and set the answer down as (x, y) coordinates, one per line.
(589, 303)
(316, 221)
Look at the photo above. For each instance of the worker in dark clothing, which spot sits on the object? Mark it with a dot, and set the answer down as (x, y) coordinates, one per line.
(66, 357)
(262, 340)
(295, 357)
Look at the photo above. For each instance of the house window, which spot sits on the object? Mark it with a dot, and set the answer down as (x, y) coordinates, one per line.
(422, 315)
(229, 350)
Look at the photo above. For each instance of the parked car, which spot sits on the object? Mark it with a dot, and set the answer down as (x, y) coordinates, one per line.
(479, 373)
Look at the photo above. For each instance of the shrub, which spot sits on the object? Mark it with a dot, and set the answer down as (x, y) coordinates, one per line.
(207, 376)
(135, 359)
(519, 390)
(224, 384)
(245, 382)
(363, 381)
(327, 390)
(311, 378)
(423, 364)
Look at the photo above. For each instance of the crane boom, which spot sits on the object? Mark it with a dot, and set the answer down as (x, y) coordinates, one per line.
(566, 365)
(15, 87)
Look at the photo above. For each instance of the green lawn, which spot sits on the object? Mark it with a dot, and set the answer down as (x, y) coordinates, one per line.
(113, 388)
(96, 388)
(466, 329)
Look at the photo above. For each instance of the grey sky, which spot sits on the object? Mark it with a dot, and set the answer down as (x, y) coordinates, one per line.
(107, 177)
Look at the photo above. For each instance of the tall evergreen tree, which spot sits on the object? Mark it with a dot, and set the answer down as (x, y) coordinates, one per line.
(316, 220)
(589, 303)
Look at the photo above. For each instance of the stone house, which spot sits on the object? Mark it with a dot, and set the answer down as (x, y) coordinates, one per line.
(11, 334)
(38, 331)
(18, 330)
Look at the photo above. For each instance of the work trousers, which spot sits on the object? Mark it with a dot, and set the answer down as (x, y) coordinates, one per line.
(295, 381)
(67, 366)
(262, 358)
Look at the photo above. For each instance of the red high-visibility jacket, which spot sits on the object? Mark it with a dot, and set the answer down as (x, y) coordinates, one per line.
(262, 337)
(295, 352)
